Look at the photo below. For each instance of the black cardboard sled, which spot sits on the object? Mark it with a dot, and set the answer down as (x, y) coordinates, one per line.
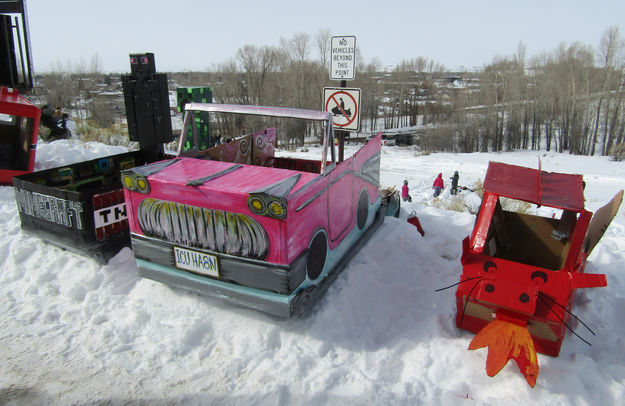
(79, 207)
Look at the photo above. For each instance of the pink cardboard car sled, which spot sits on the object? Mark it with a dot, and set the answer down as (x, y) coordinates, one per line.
(237, 223)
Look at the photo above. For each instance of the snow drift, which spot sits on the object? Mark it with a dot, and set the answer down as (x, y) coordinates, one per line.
(73, 332)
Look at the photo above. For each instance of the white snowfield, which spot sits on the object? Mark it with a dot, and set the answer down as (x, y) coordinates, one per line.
(73, 332)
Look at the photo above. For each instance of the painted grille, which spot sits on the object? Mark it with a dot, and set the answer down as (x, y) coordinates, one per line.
(215, 230)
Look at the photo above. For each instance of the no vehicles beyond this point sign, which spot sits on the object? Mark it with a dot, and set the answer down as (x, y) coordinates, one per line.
(343, 57)
(344, 104)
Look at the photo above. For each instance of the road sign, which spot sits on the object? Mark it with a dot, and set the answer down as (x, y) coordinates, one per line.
(343, 57)
(344, 104)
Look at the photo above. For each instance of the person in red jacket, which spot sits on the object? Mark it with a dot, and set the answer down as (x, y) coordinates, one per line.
(404, 192)
(438, 185)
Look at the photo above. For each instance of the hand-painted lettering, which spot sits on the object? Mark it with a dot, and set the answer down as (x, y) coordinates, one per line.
(110, 215)
(50, 208)
(196, 261)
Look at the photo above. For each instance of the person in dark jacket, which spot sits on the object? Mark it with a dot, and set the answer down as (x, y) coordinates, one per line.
(454, 183)
(56, 122)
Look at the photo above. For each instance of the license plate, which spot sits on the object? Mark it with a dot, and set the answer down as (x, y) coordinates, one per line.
(195, 261)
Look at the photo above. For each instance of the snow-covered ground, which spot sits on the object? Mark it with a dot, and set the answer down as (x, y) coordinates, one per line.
(74, 332)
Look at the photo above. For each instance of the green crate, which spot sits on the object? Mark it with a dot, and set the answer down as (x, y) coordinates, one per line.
(186, 95)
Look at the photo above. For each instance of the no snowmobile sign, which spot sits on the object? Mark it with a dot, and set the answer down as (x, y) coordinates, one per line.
(344, 104)
(343, 57)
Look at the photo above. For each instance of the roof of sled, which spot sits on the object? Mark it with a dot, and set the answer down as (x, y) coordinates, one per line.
(560, 190)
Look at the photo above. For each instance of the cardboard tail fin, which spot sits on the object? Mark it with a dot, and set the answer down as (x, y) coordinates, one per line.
(507, 340)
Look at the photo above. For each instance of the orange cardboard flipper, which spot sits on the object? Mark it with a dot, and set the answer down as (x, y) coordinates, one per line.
(507, 340)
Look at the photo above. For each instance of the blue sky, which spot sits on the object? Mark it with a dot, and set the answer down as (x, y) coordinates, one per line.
(197, 35)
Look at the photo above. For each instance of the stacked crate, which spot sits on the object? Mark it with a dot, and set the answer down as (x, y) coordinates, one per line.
(200, 118)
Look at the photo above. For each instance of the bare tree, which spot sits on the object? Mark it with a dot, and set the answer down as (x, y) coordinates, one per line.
(369, 81)
(257, 64)
(321, 74)
(101, 112)
(322, 40)
(95, 66)
(498, 90)
(60, 88)
(611, 55)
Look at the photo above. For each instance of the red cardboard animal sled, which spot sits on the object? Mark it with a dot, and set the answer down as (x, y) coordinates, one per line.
(521, 271)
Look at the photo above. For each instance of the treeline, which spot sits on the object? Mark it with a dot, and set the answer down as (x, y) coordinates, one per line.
(292, 74)
(570, 99)
(80, 88)
(295, 72)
